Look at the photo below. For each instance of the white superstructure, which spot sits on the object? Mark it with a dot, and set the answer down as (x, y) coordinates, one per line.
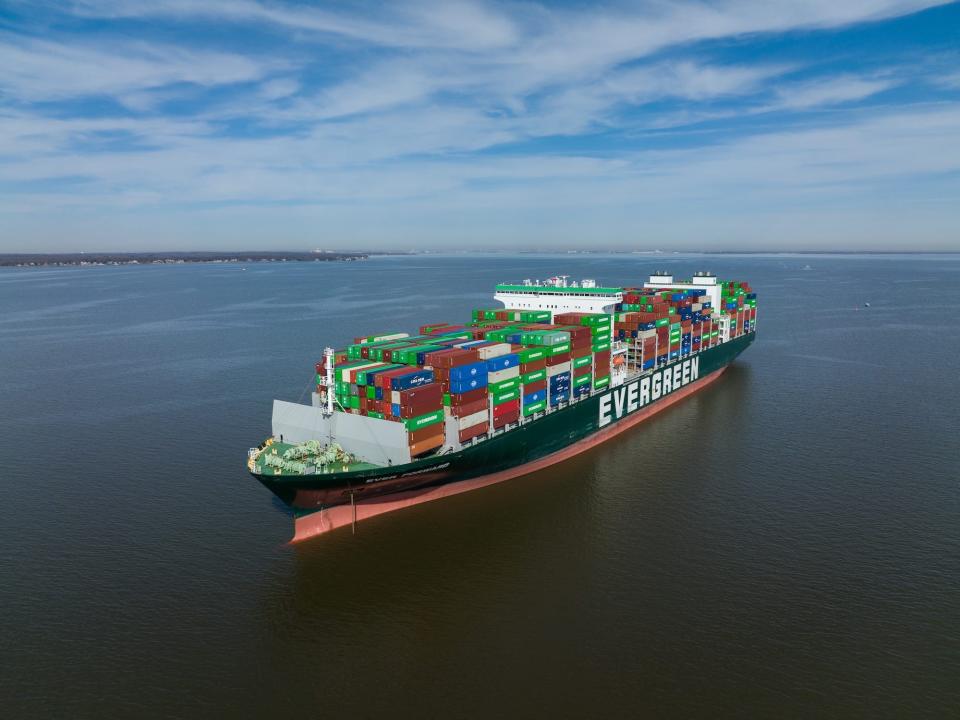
(557, 296)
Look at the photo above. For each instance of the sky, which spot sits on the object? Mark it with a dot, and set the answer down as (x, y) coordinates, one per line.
(264, 124)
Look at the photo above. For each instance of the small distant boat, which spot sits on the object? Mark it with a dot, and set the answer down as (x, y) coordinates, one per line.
(866, 304)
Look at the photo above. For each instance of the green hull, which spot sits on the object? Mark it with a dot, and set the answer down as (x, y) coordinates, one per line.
(533, 440)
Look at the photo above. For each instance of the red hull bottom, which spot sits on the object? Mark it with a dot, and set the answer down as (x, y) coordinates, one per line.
(339, 516)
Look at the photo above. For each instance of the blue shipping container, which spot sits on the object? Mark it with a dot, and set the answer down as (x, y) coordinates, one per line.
(533, 397)
(411, 380)
(562, 397)
(503, 362)
(468, 384)
(465, 372)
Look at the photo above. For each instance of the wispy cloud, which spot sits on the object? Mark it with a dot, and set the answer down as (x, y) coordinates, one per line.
(423, 107)
(831, 91)
(37, 70)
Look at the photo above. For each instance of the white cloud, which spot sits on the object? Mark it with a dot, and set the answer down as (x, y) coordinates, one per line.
(47, 70)
(398, 128)
(279, 88)
(830, 91)
(453, 24)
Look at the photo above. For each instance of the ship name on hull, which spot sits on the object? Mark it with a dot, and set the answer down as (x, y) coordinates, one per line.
(643, 391)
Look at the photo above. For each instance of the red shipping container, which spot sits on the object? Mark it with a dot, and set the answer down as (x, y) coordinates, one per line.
(533, 365)
(581, 371)
(468, 397)
(429, 393)
(450, 358)
(423, 446)
(426, 433)
(570, 318)
(425, 329)
(534, 387)
(507, 408)
(468, 408)
(601, 358)
(558, 359)
(382, 380)
(499, 422)
(577, 332)
(474, 431)
(418, 408)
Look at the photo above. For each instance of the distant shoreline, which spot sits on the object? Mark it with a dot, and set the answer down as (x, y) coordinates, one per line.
(169, 258)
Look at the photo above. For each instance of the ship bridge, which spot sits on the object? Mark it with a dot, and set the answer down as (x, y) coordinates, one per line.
(559, 299)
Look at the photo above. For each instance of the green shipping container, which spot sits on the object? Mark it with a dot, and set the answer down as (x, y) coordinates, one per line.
(500, 398)
(532, 354)
(601, 346)
(534, 376)
(662, 322)
(560, 349)
(375, 414)
(505, 385)
(422, 421)
(598, 320)
(583, 380)
(536, 407)
(582, 361)
(601, 382)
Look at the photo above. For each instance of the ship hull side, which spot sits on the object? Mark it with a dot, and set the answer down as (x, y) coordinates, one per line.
(325, 502)
(331, 518)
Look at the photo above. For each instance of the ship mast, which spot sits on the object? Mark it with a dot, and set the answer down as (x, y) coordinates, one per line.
(328, 365)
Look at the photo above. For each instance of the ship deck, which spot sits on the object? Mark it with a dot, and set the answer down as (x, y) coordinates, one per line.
(258, 466)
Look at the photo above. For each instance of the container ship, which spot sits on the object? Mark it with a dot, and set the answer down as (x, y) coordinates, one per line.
(398, 419)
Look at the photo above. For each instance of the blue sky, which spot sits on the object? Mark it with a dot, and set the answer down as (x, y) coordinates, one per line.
(736, 124)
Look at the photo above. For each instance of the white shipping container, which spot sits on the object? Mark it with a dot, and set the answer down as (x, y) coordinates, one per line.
(350, 374)
(471, 420)
(557, 369)
(499, 375)
(492, 351)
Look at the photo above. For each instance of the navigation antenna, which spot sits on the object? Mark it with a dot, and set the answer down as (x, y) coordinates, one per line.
(328, 364)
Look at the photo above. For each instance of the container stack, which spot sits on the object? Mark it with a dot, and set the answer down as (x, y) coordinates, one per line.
(739, 304)
(463, 379)
(663, 325)
(533, 380)
(509, 364)
(590, 350)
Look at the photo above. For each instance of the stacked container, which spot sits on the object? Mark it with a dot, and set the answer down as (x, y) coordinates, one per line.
(508, 364)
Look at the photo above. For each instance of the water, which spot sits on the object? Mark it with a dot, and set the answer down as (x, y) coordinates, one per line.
(784, 543)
